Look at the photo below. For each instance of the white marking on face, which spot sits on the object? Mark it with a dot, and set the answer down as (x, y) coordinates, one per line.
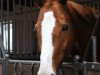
(47, 25)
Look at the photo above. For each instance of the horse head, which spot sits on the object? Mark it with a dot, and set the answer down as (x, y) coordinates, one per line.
(55, 32)
(55, 36)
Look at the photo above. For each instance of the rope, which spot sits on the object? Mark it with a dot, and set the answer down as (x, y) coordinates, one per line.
(36, 4)
(93, 33)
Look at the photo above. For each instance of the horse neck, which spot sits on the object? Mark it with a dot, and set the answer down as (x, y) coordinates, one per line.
(85, 17)
(83, 21)
(77, 11)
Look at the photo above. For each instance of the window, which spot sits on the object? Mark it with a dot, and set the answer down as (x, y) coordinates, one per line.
(7, 32)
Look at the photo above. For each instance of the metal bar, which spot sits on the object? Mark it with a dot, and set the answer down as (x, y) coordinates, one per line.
(94, 42)
(8, 26)
(19, 9)
(2, 47)
(93, 66)
(35, 36)
(1, 19)
(31, 8)
(14, 68)
(22, 25)
(21, 68)
(14, 29)
(22, 12)
(84, 68)
(0, 53)
(24, 61)
(26, 25)
(14, 10)
(19, 26)
(18, 33)
(76, 72)
(1, 60)
(76, 64)
(17, 38)
(77, 67)
(61, 72)
(28, 36)
(31, 69)
(5, 65)
(5, 26)
(64, 64)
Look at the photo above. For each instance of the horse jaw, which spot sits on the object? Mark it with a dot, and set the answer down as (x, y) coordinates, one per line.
(48, 24)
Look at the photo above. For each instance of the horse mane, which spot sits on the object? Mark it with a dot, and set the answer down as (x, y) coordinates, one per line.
(84, 12)
(83, 21)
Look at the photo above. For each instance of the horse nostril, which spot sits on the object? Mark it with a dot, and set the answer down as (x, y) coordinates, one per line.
(52, 74)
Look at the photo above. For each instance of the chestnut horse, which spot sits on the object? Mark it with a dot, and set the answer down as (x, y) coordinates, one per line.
(62, 29)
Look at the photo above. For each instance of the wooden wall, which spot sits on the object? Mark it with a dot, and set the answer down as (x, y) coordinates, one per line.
(26, 69)
(0, 69)
(93, 72)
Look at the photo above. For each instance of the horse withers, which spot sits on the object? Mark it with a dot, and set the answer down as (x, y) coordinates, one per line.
(62, 29)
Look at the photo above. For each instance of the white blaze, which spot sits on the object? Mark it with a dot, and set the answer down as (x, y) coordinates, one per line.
(48, 25)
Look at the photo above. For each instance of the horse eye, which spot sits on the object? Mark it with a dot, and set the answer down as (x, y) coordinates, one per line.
(64, 28)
